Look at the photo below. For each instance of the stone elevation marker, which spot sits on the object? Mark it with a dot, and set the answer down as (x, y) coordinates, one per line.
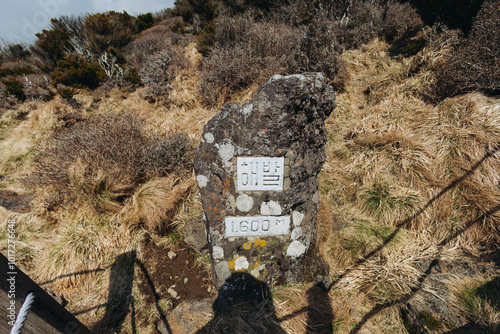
(257, 170)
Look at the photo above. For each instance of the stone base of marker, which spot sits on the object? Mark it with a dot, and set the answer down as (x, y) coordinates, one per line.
(257, 170)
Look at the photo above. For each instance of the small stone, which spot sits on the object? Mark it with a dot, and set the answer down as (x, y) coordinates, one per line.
(355, 314)
(202, 181)
(195, 234)
(172, 292)
(297, 218)
(186, 280)
(244, 203)
(217, 252)
(172, 255)
(271, 208)
(187, 317)
(295, 250)
(222, 271)
(209, 137)
(296, 233)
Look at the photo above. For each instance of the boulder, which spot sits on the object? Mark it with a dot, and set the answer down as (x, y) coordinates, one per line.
(257, 170)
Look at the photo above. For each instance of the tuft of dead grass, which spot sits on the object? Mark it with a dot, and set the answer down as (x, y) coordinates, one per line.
(156, 202)
(81, 246)
(478, 300)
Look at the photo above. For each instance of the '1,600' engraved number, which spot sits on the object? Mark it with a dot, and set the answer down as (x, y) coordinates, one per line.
(255, 226)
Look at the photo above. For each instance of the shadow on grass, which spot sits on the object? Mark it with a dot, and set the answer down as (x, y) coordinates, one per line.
(380, 307)
(120, 297)
(244, 305)
(84, 272)
(248, 308)
(120, 300)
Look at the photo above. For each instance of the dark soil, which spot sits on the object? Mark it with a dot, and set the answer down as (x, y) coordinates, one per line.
(15, 202)
(159, 273)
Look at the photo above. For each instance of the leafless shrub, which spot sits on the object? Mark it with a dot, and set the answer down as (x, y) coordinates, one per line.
(319, 51)
(249, 51)
(167, 156)
(36, 88)
(86, 159)
(156, 76)
(110, 66)
(97, 162)
(152, 41)
(361, 25)
(7, 102)
(400, 21)
(35, 93)
(474, 65)
(226, 71)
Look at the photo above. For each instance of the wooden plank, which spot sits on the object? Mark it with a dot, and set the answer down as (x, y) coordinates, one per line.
(47, 316)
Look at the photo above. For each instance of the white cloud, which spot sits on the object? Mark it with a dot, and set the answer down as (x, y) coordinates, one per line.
(132, 7)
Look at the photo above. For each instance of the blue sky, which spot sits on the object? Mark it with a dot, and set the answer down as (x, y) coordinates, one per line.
(21, 19)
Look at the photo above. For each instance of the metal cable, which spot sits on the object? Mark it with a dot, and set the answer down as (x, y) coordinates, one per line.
(23, 314)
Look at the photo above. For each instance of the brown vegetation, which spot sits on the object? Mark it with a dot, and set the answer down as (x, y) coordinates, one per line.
(412, 174)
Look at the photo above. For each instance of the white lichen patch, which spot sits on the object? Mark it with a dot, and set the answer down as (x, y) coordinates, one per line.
(247, 108)
(274, 78)
(244, 203)
(316, 198)
(298, 76)
(296, 233)
(226, 151)
(241, 263)
(215, 236)
(202, 181)
(256, 271)
(271, 208)
(209, 137)
(217, 252)
(297, 218)
(295, 250)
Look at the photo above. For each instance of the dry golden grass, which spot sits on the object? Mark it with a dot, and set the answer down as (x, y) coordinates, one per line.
(79, 245)
(157, 202)
(478, 301)
(392, 161)
(390, 155)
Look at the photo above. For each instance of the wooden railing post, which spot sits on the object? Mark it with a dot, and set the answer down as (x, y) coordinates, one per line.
(46, 314)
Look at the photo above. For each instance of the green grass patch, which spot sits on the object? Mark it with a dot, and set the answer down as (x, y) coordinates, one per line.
(479, 302)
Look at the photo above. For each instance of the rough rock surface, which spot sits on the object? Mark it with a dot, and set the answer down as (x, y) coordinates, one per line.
(285, 119)
(188, 317)
(194, 234)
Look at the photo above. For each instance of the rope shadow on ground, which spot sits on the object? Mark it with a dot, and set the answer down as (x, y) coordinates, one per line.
(378, 308)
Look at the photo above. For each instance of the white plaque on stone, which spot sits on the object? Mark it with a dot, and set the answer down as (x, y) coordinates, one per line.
(260, 173)
(257, 226)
